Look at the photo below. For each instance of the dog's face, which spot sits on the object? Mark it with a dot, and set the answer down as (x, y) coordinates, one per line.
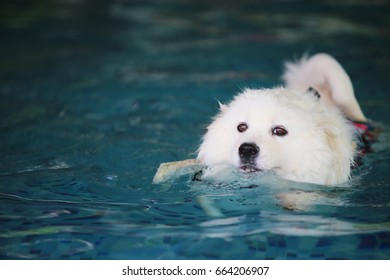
(288, 132)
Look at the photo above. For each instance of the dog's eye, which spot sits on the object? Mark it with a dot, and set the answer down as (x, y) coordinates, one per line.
(279, 131)
(242, 127)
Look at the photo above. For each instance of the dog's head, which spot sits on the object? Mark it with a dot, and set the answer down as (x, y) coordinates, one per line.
(291, 133)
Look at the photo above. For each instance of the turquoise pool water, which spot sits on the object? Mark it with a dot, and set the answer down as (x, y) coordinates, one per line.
(94, 95)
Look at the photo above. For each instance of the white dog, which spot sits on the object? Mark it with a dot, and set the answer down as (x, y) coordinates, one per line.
(301, 131)
(311, 130)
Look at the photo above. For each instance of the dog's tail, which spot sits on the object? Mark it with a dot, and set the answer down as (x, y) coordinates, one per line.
(323, 73)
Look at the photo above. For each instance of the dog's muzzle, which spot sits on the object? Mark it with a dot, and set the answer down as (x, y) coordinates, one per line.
(248, 153)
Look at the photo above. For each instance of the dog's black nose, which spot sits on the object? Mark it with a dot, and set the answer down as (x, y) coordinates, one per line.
(248, 151)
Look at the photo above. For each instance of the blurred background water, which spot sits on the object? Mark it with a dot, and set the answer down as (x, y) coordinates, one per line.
(94, 95)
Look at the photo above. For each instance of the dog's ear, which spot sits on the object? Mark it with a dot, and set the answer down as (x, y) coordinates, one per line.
(222, 107)
(313, 91)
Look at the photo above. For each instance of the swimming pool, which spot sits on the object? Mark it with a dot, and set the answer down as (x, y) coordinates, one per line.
(96, 94)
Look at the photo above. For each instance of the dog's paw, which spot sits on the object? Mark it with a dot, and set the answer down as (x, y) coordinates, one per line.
(299, 200)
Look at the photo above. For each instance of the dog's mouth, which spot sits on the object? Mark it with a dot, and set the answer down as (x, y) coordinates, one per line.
(247, 168)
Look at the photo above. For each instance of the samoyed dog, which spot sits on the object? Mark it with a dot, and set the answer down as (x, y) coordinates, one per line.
(301, 132)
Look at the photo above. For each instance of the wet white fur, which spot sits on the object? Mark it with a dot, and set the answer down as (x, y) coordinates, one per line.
(327, 76)
(318, 147)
